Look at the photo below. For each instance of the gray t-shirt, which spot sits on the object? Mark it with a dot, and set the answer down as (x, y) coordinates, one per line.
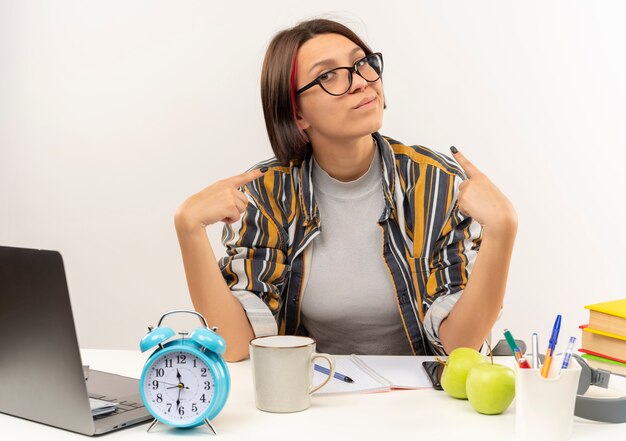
(349, 304)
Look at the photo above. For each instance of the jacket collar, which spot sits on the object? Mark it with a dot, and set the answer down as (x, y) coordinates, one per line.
(307, 197)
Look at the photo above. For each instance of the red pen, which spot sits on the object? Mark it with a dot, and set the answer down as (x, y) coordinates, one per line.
(523, 363)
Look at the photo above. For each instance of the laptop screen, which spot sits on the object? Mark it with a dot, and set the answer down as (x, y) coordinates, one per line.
(41, 376)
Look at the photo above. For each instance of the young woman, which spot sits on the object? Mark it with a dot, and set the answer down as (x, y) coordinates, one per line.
(365, 244)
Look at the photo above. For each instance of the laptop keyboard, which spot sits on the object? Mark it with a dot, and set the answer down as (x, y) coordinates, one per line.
(122, 406)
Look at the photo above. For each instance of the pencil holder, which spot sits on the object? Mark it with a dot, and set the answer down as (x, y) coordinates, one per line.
(544, 407)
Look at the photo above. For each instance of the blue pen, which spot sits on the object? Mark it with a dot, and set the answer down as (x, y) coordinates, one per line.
(337, 375)
(547, 361)
(568, 352)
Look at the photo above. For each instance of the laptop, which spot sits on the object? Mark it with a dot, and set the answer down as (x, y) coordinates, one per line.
(41, 373)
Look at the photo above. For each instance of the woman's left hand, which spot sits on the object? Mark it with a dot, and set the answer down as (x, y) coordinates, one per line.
(481, 200)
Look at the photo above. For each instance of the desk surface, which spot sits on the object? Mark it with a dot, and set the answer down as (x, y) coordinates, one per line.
(397, 415)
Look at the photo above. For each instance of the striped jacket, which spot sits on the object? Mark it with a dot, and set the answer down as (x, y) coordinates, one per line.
(429, 247)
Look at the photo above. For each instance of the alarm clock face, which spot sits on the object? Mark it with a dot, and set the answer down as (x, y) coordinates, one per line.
(178, 387)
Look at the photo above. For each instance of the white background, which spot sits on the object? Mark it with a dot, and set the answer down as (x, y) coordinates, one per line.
(113, 112)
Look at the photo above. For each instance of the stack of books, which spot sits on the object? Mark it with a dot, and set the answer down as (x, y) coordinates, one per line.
(604, 338)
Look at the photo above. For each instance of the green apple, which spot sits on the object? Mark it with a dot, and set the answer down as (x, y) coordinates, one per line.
(454, 374)
(490, 388)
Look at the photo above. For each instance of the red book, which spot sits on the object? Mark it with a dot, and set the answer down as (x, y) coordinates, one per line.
(597, 354)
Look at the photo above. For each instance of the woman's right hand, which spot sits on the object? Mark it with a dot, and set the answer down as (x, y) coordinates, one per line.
(210, 294)
(221, 201)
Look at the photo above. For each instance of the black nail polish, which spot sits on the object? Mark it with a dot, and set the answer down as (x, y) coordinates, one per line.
(453, 149)
(264, 169)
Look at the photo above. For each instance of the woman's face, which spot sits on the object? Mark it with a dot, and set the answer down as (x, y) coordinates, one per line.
(322, 116)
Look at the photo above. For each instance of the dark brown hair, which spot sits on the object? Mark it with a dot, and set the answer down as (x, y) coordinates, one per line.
(278, 83)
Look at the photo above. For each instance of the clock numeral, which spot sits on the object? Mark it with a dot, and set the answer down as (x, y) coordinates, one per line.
(181, 410)
(194, 407)
(207, 385)
(159, 398)
(159, 372)
(181, 359)
(168, 363)
(155, 384)
(194, 363)
(169, 407)
(203, 370)
(203, 398)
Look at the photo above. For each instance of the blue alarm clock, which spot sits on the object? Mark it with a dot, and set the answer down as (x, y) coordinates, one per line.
(185, 381)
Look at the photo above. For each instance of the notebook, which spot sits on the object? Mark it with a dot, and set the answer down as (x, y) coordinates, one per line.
(607, 364)
(614, 307)
(596, 341)
(41, 373)
(608, 316)
(375, 373)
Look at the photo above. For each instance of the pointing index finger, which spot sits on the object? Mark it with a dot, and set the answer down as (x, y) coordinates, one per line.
(470, 169)
(244, 178)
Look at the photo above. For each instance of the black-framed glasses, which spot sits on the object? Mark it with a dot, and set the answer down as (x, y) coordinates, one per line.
(338, 81)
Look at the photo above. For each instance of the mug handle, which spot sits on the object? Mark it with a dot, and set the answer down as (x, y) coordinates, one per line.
(331, 365)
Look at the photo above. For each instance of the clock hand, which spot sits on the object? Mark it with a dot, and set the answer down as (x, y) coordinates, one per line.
(169, 384)
(180, 387)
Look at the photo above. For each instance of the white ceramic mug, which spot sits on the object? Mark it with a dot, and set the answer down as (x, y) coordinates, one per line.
(282, 368)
